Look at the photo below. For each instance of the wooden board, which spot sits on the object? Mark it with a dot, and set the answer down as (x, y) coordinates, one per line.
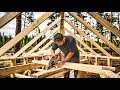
(96, 33)
(87, 37)
(40, 43)
(35, 39)
(84, 67)
(46, 73)
(85, 45)
(81, 50)
(62, 23)
(24, 32)
(7, 18)
(11, 70)
(105, 23)
(44, 47)
(17, 75)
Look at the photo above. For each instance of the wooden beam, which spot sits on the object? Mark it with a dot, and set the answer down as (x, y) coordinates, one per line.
(44, 47)
(83, 67)
(81, 49)
(7, 18)
(92, 51)
(87, 37)
(58, 75)
(105, 23)
(96, 33)
(46, 73)
(19, 68)
(40, 43)
(45, 62)
(17, 75)
(24, 32)
(62, 23)
(35, 38)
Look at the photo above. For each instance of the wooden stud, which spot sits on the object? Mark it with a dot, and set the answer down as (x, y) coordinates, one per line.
(25, 61)
(44, 47)
(13, 62)
(62, 23)
(7, 18)
(92, 51)
(96, 33)
(24, 32)
(87, 37)
(105, 23)
(109, 62)
(81, 50)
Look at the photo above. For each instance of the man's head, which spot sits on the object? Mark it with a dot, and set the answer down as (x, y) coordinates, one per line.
(59, 39)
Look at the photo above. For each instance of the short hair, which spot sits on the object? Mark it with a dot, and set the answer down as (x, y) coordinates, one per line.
(58, 37)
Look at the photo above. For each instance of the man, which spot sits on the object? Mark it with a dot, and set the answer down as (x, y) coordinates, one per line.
(67, 45)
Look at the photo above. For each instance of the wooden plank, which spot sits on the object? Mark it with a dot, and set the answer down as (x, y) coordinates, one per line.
(87, 37)
(47, 73)
(25, 61)
(58, 75)
(40, 43)
(24, 32)
(44, 47)
(35, 38)
(17, 75)
(13, 62)
(45, 62)
(62, 23)
(81, 50)
(7, 18)
(19, 68)
(109, 62)
(96, 33)
(84, 61)
(85, 45)
(82, 67)
(105, 23)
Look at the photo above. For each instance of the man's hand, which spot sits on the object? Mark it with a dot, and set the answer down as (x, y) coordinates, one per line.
(60, 64)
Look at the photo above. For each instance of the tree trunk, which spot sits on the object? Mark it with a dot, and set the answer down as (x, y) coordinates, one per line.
(18, 30)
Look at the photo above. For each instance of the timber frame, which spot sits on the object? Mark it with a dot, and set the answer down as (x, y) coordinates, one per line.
(36, 64)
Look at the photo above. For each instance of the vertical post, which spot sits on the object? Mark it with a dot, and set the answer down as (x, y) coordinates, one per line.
(96, 61)
(13, 63)
(62, 23)
(109, 62)
(25, 61)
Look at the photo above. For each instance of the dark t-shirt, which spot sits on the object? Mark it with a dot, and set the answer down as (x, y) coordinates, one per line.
(68, 46)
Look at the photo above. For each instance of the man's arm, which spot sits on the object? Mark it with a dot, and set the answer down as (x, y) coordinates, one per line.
(52, 52)
(70, 54)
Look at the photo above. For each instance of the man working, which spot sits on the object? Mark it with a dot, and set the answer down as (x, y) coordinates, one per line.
(67, 45)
